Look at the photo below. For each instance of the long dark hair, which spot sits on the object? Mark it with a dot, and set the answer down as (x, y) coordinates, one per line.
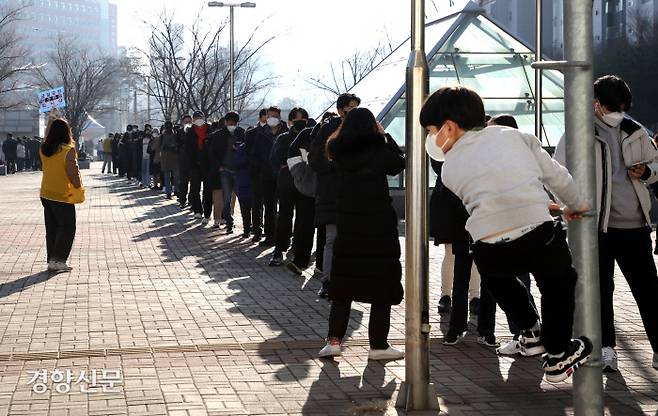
(358, 122)
(59, 134)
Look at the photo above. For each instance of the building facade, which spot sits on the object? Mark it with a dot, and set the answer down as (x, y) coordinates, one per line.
(92, 22)
(610, 18)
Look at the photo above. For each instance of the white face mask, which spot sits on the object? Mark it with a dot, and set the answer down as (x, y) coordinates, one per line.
(433, 150)
(231, 129)
(272, 121)
(613, 119)
(199, 122)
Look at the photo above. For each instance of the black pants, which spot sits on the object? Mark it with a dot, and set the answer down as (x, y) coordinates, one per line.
(513, 327)
(115, 163)
(245, 211)
(459, 309)
(378, 326)
(544, 253)
(303, 209)
(183, 185)
(60, 229)
(264, 202)
(11, 165)
(631, 249)
(195, 191)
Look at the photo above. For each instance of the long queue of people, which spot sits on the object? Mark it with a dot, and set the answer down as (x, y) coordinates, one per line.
(493, 206)
(20, 153)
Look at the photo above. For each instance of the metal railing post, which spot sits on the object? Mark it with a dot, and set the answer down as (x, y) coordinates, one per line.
(416, 392)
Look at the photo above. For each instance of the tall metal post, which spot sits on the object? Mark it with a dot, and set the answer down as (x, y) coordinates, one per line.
(148, 99)
(583, 234)
(135, 105)
(416, 392)
(232, 75)
(538, 71)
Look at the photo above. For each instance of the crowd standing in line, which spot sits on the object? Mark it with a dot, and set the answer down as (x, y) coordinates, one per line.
(493, 207)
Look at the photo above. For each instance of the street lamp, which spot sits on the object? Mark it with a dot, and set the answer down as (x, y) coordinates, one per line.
(232, 70)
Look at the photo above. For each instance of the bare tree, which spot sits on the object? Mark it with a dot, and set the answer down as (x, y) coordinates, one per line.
(348, 72)
(15, 64)
(195, 74)
(89, 80)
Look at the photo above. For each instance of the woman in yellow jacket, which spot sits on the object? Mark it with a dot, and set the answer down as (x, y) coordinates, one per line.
(61, 188)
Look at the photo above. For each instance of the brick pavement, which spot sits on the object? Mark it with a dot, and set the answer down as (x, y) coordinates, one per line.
(199, 324)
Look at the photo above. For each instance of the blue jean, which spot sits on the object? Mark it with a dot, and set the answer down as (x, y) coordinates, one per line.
(146, 178)
(167, 181)
(229, 183)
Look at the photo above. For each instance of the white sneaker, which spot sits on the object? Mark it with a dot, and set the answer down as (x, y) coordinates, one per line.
(388, 354)
(609, 358)
(511, 348)
(198, 216)
(205, 221)
(58, 266)
(215, 224)
(331, 349)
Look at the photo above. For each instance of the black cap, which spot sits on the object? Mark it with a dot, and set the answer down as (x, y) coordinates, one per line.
(198, 114)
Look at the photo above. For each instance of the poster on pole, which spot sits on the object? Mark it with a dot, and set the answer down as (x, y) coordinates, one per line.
(51, 99)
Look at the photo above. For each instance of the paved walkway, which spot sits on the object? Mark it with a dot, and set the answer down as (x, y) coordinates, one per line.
(198, 324)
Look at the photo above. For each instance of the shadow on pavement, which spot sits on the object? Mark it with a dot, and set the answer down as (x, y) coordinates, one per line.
(19, 285)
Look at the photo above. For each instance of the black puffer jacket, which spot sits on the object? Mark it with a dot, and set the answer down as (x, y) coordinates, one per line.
(278, 161)
(448, 215)
(325, 198)
(366, 262)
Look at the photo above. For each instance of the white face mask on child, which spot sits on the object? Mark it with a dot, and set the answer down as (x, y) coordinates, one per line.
(433, 150)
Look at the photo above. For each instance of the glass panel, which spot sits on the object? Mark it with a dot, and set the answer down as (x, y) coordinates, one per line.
(552, 81)
(479, 34)
(524, 113)
(493, 75)
(395, 122)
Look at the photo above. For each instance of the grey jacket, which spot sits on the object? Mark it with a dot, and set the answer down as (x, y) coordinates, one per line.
(636, 147)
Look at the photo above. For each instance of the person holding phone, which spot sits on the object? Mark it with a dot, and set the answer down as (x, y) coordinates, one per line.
(626, 162)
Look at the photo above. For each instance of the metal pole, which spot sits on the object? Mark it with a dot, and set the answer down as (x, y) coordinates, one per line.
(135, 105)
(416, 392)
(148, 100)
(583, 234)
(538, 71)
(232, 65)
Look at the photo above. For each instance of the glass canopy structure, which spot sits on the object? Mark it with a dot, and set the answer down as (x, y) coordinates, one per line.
(466, 48)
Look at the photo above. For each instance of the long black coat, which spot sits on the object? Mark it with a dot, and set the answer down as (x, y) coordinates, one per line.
(326, 192)
(366, 261)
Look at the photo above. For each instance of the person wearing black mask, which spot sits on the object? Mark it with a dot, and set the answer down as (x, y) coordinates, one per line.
(251, 135)
(264, 178)
(291, 201)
